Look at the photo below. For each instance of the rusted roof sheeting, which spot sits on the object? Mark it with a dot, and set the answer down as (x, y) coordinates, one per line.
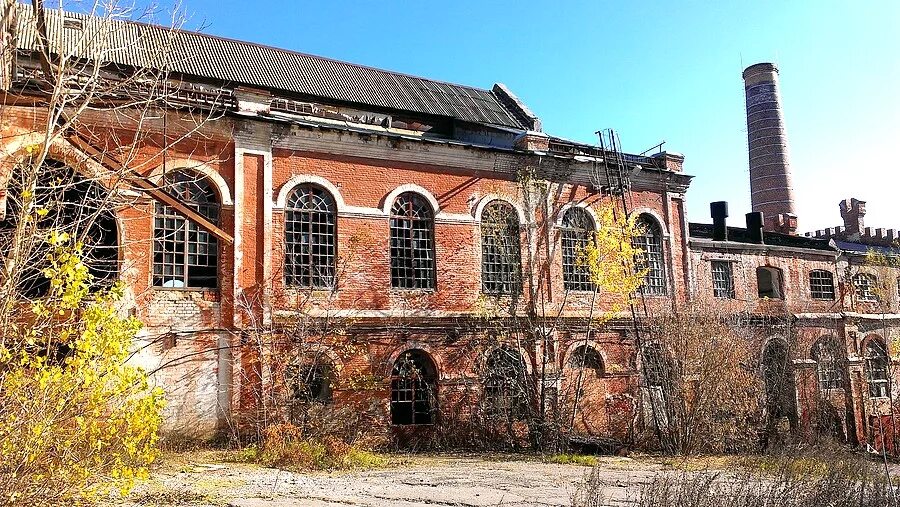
(195, 54)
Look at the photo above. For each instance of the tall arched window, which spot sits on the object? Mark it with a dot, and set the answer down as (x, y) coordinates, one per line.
(501, 257)
(412, 243)
(866, 285)
(310, 238)
(649, 241)
(577, 232)
(877, 368)
(828, 363)
(184, 255)
(413, 389)
(506, 384)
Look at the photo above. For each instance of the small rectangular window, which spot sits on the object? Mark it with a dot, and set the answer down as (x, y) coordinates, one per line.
(723, 280)
(821, 285)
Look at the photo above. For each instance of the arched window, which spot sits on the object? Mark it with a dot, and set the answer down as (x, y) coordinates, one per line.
(506, 384)
(821, 284)
(768, 282)
(412, 243)
(577, 232)
(185, 255)
(828, 363)
(309, 382)
(413, 389)
(650, 242)
(866, 287)
(64, 201)
(501, 257)
(586, 357)
(310, 238)
(877, 368)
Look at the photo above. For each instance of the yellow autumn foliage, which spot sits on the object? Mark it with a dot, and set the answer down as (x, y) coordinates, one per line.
(76, 420)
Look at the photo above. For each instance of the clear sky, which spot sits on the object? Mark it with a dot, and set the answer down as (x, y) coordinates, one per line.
(653, 71)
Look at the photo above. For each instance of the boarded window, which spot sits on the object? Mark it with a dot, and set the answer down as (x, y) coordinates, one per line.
(722, 279)
(501, 257)
(577, 232)
(184, 254)
(821, 284)
(877, 369)
(412, 243)
(310, 238)
(413, 389)
(506, 385)
(650, 242)
(768, 282)
(866, 287)
(828, 363)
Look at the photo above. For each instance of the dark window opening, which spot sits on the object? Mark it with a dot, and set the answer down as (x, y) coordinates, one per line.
(649, 242)
(185, 255)
(586, 357)
(67, 203)
(777, 378)
(412, 243)
(309, 383)
(821, 284)
(768, 282)
(310, 238)
(866, 287)
(506, 385)
(828, 364)
(723, 279)
(657, 369)
(501, 257)
(877, 369)
(577, 233)
(413, 389)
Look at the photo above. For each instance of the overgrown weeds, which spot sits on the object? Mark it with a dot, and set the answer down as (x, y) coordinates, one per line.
(286, 446)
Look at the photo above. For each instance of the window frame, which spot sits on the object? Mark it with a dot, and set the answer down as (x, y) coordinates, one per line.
(727, 291)
(406, 271)
(576, 236)
(829, 375)
(866, 293)
(820, 285)
(313, 217)
(505, 395)
(779, 286)
(506, 259)
(651, 242)
(879, 387)
(211, 209)
(424, 379)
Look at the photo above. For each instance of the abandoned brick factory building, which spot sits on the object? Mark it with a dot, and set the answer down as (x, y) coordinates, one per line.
(365, 238)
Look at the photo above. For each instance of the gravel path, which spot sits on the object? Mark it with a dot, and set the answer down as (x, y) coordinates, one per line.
(431, 481)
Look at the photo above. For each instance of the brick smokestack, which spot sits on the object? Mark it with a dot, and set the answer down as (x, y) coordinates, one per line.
(771, 190)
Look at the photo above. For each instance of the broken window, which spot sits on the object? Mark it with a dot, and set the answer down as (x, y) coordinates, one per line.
(649, 242)
(877, 368)
(866, 287)
(500, 252)
(309, 382)
(828, 364)
(310, 238)
(768, 282)
(586, 357)
(412, 243)
(722, 279)
(185, 255)
(656, 367)
(821, 284)
(577, 232)
(506, 385)
(413, 389)
(64, 201)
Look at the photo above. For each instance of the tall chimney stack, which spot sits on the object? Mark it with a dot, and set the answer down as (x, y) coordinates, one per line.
(771, 189)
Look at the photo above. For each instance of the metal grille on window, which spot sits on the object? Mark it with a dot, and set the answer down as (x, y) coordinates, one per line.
(184, 255)
(877, 369)
(577, 233)
(500, 251)
(821, 284)
(506, 385)
(413, 389)
(825, 354)
(412, 243)
(310, 238)
(866, 285)
(649, 241)
(723, 281)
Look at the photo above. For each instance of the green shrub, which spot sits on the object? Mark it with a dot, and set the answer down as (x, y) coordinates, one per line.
(285, 446)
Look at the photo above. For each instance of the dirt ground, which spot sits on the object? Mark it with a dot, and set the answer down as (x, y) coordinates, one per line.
(203, 479)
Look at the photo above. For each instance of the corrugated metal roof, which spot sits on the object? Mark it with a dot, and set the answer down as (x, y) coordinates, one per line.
(196, 54)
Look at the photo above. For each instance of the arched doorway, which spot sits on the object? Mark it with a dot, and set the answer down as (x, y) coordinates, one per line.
(779, 386)
(413, 389)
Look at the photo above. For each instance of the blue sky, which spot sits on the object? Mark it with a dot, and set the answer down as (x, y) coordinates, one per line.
(652, 71)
